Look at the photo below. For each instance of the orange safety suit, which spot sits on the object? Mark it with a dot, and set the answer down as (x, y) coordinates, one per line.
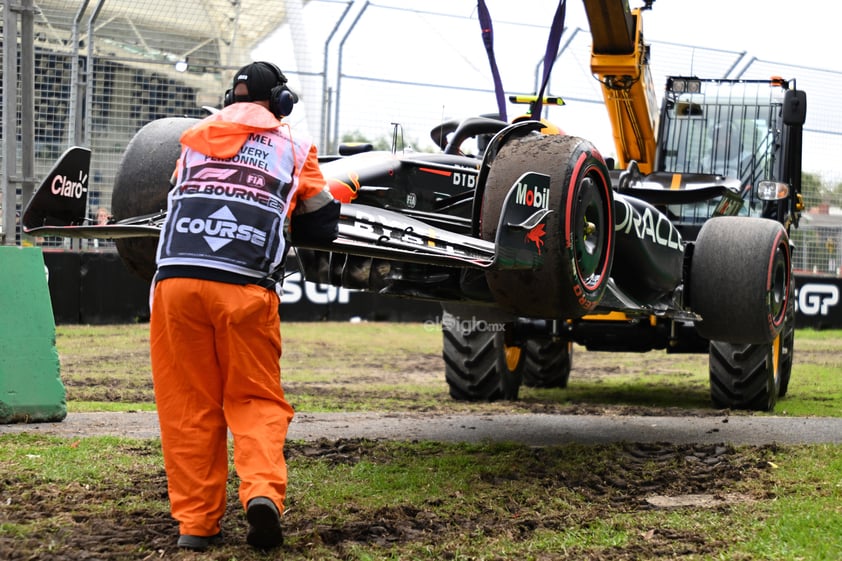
(215, 327)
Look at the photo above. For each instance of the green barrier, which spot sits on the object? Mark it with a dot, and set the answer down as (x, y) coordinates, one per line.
(30, 386)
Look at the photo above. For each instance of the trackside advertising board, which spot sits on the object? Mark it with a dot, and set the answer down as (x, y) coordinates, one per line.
(818, 301)
(95, 288)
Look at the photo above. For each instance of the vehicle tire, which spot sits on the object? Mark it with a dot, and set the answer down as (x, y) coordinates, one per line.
(740, 279)
(742, 376)
(479, 366)
(142, 184)
(548, 363)
(753, 377)
(579, 237)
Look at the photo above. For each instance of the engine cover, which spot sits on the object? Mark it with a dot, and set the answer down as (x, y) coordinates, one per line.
(649, 251)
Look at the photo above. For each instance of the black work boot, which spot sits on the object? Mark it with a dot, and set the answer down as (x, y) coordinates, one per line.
(264, 523)
(198, 543)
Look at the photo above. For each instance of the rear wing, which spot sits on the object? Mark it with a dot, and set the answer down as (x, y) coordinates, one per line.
(62, 198)
(59, 206)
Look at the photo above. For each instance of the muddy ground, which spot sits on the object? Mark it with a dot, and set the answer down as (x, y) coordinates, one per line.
(68, 522)
(643, 477)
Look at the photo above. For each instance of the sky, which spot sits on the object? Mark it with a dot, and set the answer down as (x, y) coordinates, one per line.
(779, 30)
(782, 31)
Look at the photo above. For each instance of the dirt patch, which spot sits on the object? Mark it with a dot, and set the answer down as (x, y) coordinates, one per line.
(42, 520)
(76, 521)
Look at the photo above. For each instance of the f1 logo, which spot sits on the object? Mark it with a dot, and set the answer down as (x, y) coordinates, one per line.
(220, 174)
(816, 299)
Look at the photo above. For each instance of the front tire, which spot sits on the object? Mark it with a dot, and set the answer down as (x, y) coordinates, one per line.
(742, 376)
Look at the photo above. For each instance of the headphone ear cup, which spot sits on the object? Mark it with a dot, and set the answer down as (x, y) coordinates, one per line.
(281, 101)
(228, 98)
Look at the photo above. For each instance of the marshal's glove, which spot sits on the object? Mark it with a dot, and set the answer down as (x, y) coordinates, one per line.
(318, 227)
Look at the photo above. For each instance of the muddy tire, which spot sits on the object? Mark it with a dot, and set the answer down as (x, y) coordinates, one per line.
(547, 363)
(142, 184)
(578, 244)
(743, 376)
(740, 279)
(478, 364)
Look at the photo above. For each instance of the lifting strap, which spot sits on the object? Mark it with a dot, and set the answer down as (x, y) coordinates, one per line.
(556, 30)
(488, 41)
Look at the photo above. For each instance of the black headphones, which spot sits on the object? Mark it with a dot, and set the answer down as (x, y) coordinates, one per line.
(281, 98)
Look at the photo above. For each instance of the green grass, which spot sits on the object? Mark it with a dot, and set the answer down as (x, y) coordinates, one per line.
(402, 500)
(398, 367)
(73, 460)
(365, 500)
(421, 500)
(109, 406)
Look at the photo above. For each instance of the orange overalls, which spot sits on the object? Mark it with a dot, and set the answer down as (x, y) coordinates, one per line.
(216, 346)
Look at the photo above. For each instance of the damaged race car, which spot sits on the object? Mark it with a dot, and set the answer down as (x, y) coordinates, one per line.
(535, 236)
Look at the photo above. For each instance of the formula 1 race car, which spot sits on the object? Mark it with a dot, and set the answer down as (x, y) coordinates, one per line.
(531, 244)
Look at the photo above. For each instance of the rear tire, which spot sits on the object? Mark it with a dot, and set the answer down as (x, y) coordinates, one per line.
(740, 279)
(479, 366)
(548, 363)
(578, 245)
(142, 184)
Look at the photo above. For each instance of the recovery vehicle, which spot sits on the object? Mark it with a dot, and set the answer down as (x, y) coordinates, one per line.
(535, 243)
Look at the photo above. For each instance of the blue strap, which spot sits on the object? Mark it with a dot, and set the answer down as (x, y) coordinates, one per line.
(488, 41)
(553, 41)
(556, 29)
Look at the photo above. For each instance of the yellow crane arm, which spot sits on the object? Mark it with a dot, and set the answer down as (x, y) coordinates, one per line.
(619, 59)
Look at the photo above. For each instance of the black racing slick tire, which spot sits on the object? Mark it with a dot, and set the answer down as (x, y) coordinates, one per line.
(548, 363)
(141, 186)
(578, 243)
(740, 279)
(479, 366)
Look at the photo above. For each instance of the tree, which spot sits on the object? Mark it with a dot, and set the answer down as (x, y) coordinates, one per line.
(811, 189)
(356, 137)
(383, 142)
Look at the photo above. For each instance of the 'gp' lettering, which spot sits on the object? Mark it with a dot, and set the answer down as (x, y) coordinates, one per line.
(816, 299)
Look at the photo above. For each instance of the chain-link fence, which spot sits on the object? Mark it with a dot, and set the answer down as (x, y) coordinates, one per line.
(105, 68)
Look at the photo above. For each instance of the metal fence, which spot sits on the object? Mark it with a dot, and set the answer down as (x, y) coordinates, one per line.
(104, 69)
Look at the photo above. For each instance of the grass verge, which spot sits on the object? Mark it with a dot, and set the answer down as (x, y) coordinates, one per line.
(399, 367)
(105, 498)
